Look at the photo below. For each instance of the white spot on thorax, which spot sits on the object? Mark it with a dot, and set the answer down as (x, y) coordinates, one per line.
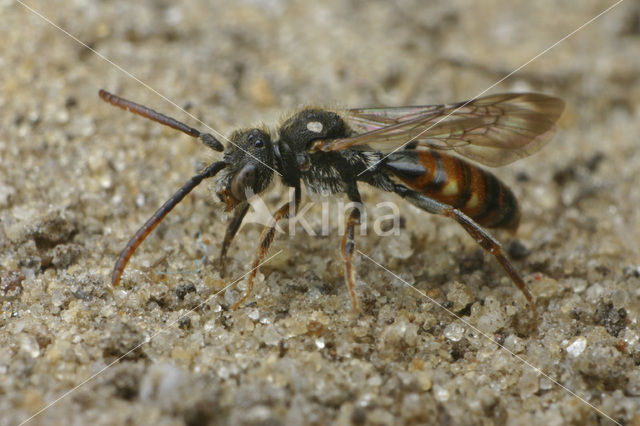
(314, 126)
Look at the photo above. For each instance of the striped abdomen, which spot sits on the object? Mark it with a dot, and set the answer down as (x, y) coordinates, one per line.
(450, 180)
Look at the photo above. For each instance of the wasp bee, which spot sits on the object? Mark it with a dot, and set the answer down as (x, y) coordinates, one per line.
(414, 151)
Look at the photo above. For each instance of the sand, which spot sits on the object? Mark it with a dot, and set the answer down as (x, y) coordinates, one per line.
(78, 177)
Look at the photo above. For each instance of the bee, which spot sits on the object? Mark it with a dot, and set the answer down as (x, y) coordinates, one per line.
(420, 153)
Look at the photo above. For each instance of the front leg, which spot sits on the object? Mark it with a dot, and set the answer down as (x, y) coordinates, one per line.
(268, 234)
(234, 224)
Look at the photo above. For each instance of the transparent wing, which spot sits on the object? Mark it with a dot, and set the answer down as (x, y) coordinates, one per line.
(493, 130)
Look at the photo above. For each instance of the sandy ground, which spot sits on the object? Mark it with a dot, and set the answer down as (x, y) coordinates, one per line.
(78, 177)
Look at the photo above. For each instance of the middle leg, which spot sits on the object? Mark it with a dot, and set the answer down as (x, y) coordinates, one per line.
(348, 245)
(268, 234)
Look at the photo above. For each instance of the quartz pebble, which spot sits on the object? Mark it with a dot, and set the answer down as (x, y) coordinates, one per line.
(577, 346)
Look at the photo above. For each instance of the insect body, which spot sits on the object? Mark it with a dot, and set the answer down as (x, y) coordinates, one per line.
(404, 150)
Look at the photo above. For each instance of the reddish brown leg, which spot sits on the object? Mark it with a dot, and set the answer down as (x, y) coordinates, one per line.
(481, 236)
(492, 246)
(268, 234)
(348, 247)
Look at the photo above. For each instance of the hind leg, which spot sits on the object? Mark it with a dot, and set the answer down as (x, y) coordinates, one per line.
(482, 237)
